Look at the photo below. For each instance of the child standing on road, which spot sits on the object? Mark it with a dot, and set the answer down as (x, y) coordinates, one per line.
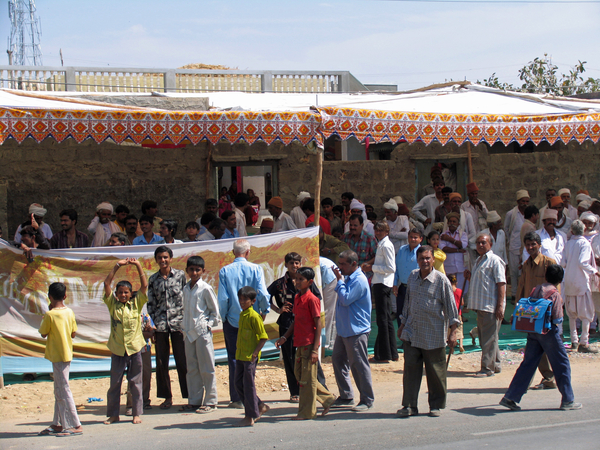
(126, 340)
(251, 339)
(306, 330)
(200, 314)
(59, 326)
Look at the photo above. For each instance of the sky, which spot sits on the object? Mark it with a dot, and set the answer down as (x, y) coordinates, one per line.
(410, 44)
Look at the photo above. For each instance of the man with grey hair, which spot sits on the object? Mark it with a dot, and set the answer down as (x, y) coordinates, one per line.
(118, 239)
(353, 321)
(487, 296)
(494, 229)
(580, 274)
(232, 278)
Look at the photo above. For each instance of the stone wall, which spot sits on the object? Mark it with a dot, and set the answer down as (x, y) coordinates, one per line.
(82, 175)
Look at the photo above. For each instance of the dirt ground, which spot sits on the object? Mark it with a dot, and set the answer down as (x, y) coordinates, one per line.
(35, 401)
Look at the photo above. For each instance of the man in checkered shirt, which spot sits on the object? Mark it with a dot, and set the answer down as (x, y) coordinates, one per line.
(429, 310)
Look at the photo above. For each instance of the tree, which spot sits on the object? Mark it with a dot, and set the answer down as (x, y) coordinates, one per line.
(540, 77)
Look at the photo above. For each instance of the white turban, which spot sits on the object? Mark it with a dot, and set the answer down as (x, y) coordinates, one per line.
(586, 204)
(398, 200)
(522, 194)
(493, 217)
(105, 205)
(589, 216)
(563, 191)
(355, 204)
(550, 214)
(391, 204)
(583, 197)
(302, 196)
(37, 210)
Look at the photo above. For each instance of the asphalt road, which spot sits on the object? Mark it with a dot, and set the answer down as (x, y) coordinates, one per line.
(473, 419)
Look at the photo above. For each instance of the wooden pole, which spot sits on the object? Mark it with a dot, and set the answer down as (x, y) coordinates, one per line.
(208, 164)
(469, 162)
(318, 185)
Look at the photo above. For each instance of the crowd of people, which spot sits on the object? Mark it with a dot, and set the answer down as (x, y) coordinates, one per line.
(422, 268)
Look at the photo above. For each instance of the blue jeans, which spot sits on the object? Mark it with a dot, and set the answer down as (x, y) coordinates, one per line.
(537, 344)
(230, 333)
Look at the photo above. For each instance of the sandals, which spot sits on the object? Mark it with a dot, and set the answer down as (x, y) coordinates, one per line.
(49, 431)
(166, 404)
(188, 408)
(69, 433)
(295, 399)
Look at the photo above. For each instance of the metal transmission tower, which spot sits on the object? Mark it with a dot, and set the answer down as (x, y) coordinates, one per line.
(24, 41)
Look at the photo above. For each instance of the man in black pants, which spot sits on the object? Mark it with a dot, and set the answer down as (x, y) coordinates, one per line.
(165, 306)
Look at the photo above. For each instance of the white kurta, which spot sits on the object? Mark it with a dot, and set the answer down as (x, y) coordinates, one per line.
(240, 222)
(397, 237)
(479, 216)
(425, 209)
(580, 267)
(498, 244)
(298, 217)
(552, 248)
(283, 223)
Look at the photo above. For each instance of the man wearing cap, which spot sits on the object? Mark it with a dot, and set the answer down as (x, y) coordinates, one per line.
(266, 226)
(399, 225)
(297, 214)
(36, 212)
(580, 274)
(358, 208)
(442, 210)
(550, 192)
(533, 274)
(565, 195)
(475, 207)
(553, 240)
(563, 221)
(281, 220)
(590, 220)
(425, 209)
(435, 172)
(101, 226)
(494, 229)
(512, 224)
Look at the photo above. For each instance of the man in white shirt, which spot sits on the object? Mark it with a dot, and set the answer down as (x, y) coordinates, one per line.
(494, 222)
(475, 207)
(565, 195)
(101, 226)
(399, 225)
(424, 211)
(383, 268)
(563, 220)
(580, 273)
(297, 214)
(38, 212)
(216, 230)
(281, 220)
(512, 225)
(240, 202)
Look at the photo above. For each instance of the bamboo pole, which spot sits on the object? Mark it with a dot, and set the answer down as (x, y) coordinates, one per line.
(208, 164)
(469, 162)
(318, 185)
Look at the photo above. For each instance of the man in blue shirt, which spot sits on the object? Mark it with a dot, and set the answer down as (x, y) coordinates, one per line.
(353, 321)
(232, 278)
(148, 237)
(406, 262)
(231, 230)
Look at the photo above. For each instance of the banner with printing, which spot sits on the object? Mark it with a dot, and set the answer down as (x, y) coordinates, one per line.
(24, 289)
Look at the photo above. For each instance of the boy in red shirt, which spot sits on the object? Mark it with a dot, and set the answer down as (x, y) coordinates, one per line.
(306, 329)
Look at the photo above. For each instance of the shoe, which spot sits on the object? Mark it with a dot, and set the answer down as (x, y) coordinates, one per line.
(343, 403)
(236, 405)
(544, 384)
(483, 374)
(129, 412)
(505, 322)
(498, 370)
(206, 409)
(574, 346)
(569, 406)
(407, 411)
(435, 412)
(587, 349)
(510, 404)
(361, 407)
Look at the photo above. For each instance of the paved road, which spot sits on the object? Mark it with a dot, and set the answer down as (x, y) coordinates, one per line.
(473, 419)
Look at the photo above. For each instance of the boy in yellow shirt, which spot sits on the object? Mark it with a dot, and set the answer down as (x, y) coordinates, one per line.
(59, 326)
(126, 340)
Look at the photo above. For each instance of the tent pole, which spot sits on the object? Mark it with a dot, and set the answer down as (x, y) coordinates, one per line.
(469, 162)
(210, 148)
(318, 185)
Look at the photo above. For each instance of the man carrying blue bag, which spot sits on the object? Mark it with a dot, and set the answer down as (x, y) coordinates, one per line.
(549, 343)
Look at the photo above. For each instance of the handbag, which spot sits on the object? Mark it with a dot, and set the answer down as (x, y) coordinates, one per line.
(532, 315)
